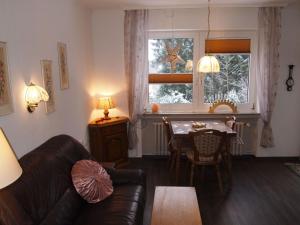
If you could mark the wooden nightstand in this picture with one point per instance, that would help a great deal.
(109, 141)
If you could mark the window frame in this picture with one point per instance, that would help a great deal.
(199, 37)
(239, 104)
(245, 34)
(179, 107)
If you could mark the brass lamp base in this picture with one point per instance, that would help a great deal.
(31, 107)
(106, 117)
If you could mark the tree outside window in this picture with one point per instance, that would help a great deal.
(170, 93)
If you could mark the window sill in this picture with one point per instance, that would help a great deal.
(202, 115)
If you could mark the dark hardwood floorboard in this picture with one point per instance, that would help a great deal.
(264, 192)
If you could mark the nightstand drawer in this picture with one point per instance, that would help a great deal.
(118, 128)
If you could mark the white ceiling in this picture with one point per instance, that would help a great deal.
(136, 4)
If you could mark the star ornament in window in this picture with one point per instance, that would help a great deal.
(173, 58)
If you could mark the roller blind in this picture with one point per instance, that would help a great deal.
(228, 46)
(170, 78)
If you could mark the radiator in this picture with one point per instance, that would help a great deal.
(237, 143)
(161, 147)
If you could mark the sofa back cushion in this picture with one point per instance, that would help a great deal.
(46, 176)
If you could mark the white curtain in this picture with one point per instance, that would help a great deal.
(136, 61)
(269, 33)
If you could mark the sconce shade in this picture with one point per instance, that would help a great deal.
(105, 103)
(10, 169)
(35, 94)
(208, 64)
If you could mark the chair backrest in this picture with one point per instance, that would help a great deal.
(208, 143)
(230, 121)
(167, 129)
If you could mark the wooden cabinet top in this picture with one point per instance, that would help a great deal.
(112, 121)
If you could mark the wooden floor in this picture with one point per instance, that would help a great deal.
(264, 192)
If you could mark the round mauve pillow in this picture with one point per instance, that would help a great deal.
(91, 181)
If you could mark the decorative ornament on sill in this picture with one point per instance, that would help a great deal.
(172, 56)
(290, 81)
(189, 65)
(155, 108)
(218, 103)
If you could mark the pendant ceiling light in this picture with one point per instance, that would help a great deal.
(208, 63)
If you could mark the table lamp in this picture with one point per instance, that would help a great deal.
(10, 169)
(106, 104)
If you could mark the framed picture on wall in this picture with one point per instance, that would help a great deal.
(48, 84)
(6, 106)
(63, 65)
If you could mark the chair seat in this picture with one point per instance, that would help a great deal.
(202, 160)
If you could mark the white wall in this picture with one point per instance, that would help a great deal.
(32, 29)
(108, 42)
(286, 118)
(108, 39)
(196, 19)
(108, 77)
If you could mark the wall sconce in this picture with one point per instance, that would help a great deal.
(34, 95)
(105, 103)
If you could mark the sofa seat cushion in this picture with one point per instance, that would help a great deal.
(66, 209)
(124, 207)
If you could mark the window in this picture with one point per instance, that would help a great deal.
(171, 70)
(232, 82)
(178, 87)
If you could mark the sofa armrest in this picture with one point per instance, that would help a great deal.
(127, 176)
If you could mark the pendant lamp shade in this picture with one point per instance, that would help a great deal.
(208, 64)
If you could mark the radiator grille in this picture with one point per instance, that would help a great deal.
(237, 143)
(160, 139)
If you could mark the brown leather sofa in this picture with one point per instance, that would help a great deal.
(45, 195)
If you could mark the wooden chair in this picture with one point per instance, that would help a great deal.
(237, 126)
(207, 150)
(170, 144)
(230, 121)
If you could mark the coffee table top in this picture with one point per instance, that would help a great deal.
(175, 206)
